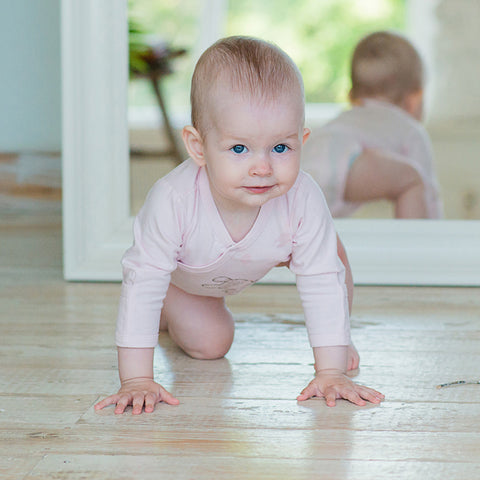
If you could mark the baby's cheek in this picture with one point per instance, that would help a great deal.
(292, 168)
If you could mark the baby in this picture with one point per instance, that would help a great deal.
(378, 149)
(222, 219)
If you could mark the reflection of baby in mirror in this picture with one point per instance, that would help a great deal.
(378, 149)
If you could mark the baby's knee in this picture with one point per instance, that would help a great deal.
(214, 345)
(211, 350)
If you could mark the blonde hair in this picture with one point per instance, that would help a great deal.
(247, 65)
(385, 64)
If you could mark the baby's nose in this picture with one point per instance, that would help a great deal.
(262, 167)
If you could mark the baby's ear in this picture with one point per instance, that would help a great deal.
(413, 104)
(306, 134)
(194, 144)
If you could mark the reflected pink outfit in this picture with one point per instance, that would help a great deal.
(331, 151)
(179, 237)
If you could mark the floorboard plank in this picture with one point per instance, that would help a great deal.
(96, 467)
(336, 444)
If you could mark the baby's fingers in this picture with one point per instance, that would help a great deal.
(150, 402)
(359, 394)
(122, 404)
(151, 399)
(354, 397)
(111, 400)
(330, 397)
(370, 394)
(167, 397)
(309, 391)
(137, 403)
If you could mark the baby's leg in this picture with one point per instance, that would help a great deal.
(379, 175)
(342, 255)
(202, 327)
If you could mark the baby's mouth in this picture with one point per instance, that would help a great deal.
(259, 189)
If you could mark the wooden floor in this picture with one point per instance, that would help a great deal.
(238, 417)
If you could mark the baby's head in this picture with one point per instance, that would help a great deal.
(248, 114)
(386, 66)
(250, 67)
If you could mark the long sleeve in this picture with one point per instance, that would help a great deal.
(147, 267)
(328, 156)
(319, 272)
(420, 150)
(325, 305)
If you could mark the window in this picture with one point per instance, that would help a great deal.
(318, 34)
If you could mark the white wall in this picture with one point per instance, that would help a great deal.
(30, 87)
(447, 33)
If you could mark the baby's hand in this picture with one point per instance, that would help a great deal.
(138, 392)
(333, 384)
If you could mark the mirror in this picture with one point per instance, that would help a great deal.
(96, 176)
(459, 192)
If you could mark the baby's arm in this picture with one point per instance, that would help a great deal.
(353, 356)
(147, 266)
(138, 388)
(322, 299)
(323, 286)
(332, 382)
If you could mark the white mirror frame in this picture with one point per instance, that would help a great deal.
(96, 201)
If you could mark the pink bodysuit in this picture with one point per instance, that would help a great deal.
(179, 237)
(331, 150)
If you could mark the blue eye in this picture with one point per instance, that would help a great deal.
(239, 149)
(280, 148)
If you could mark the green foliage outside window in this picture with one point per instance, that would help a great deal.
(318, 34)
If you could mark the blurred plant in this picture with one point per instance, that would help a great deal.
(137, 46)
